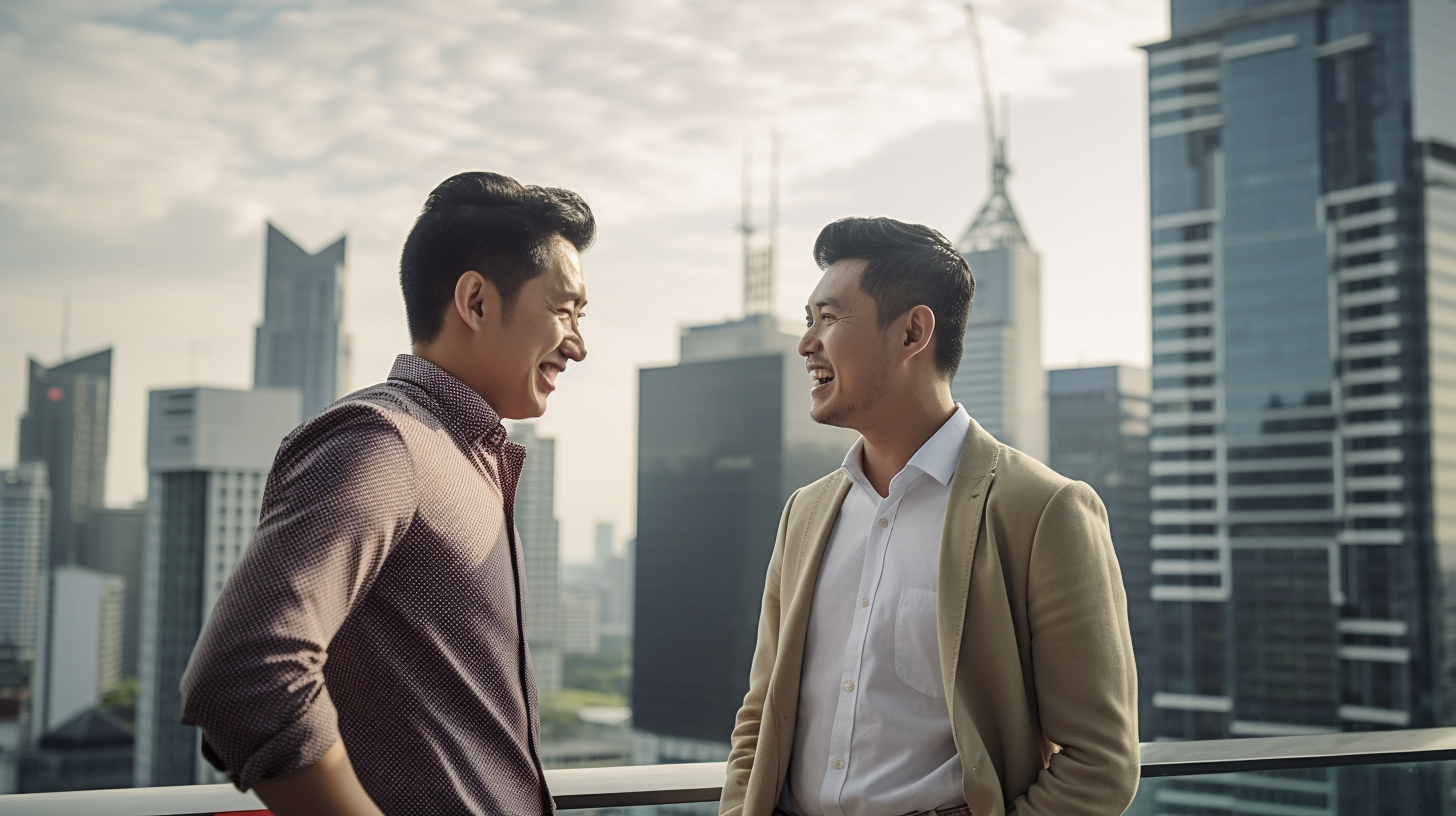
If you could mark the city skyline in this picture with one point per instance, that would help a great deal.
(187, 260)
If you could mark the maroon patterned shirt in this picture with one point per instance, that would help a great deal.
(381, 602)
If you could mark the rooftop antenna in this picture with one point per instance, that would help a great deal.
(758, 254)
(996, 225)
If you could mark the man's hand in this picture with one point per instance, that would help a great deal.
(326, 788)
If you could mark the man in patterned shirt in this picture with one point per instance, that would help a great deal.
(368, 655)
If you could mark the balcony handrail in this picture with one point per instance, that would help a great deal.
(637, 785)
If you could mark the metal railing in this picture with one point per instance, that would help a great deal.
(703, 782)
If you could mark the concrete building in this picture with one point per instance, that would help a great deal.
(579, 619)
(25, 520)
(113, 545)
(1000, 380)
(65, 425)
(723, 438)
(1099, 435)
(90, 751)
(79, 656)
(301, 342)
(614, 583)
(1303, 218)
(540, 544)
(208, 455)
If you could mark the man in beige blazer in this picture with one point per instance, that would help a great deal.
(944, 628)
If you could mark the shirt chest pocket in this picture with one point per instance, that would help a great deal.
(917, 651)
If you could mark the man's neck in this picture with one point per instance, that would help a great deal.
(889, 444)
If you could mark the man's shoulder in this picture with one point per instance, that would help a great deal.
(384, 411)
(1023, 484)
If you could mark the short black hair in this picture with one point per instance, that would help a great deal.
(907, 265)
(491, 224)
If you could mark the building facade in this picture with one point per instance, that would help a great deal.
(1303, 229)
(79, 657)
(301, 342)
(724, 437)
(65, 425)
(540, 544)
(1098, 434)
(1000, 380)
(208, 455)
(25, 520)
(113, 545)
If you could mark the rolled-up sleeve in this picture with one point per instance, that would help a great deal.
(340, 495)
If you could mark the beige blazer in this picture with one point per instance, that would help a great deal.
(1035, 652)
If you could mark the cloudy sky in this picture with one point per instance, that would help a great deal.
(143, 145)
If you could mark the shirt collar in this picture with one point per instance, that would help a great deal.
(461, 410)
(937, 458)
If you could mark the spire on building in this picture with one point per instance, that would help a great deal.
(759, 242)
(996, 225)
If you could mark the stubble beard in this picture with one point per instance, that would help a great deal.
(843, 416)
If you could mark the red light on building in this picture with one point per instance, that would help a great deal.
(55, 394)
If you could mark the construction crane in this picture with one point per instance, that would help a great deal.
(758, 253)
(996, 224)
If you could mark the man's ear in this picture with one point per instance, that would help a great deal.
(477, 301)
(919, 331)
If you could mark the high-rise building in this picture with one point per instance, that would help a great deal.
(540, 545)
(1303, 219)
(1000, 380)
(614, 583)
(25, 520)
(208, 455)
(723, 438)
(65, 424)
(578, 616)
(113, 545)
(79, 657)
(1098, 434)
(301, 342)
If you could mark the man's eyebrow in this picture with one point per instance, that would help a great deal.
(830, 302)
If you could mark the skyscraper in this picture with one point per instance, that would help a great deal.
(1000, 380)
(208, 454)
(301, 342)
(723, 438)
(1303, 226)
(65, 424)
(1099, 435)
(25, 520)
(540, 543)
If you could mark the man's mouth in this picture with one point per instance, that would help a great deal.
(550, 370)
(821, 376)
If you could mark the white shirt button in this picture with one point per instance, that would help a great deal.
(864, 602)
(849, 685)
(838, 763)
(884, 522)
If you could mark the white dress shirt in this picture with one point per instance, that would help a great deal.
(874, 734)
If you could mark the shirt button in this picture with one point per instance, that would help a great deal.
(838, 763)
(884, 522)
(864, 602)
(849, 685)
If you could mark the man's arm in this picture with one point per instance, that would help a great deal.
(1082, 662)
(326, 788)
(338, 498)
(750, 715)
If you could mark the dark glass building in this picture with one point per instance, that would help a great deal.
(301, 342)
(1099, 435)
(67, 415)
(723, 438)
(1303, 229)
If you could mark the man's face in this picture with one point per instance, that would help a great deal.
(537, 336)
(846, 353)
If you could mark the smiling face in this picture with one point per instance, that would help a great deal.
(522, 352)
(848, 356)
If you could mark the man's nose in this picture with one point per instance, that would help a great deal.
(808, 343)
(575, 347)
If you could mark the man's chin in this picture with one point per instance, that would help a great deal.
(828, 414)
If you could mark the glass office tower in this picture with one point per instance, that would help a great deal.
(723, 438)
(301, 342)
(1303, 226)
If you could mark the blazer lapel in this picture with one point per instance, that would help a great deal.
(963, 513)
(808, 534)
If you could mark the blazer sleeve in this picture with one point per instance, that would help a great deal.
(747, 727)
(1082, 662)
